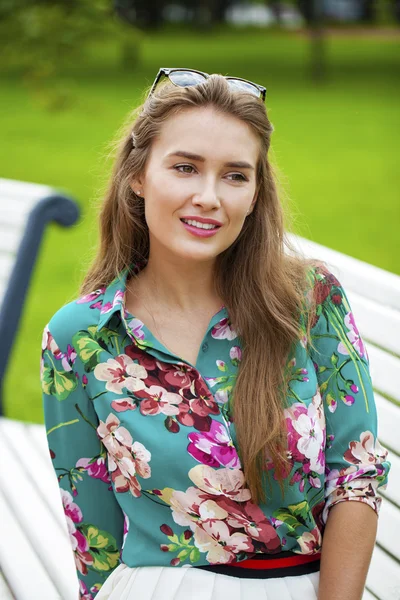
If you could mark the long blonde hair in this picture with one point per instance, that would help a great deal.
(263, 287)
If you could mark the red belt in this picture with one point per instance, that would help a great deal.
(277, 563)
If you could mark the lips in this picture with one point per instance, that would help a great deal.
(197, 231)
(200, 224)
(201, 220)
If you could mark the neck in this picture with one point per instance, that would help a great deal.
(181, 285)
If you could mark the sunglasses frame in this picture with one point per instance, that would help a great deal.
(166, 72)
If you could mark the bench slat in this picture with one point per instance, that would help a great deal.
(20, 190)
(385, 371)
(38, 434)
(377, 323)
(9, 239)
(368, 596)
(392, 492)
(388, 422)
(389, 528)
(40, 526)
(14, 218)
(383, 578)
(21, 566)
(40, 470)
(6, 264)
(5, 592)
(354, 274)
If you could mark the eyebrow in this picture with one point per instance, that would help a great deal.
(235, 164)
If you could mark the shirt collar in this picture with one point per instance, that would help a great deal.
(114, 298)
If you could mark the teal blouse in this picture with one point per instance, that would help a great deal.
(145, 451)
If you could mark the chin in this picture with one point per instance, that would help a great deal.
(201, 255)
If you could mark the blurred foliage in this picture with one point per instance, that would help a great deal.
(335, 144)
(45, 39)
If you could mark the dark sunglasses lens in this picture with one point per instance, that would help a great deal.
(244, 86)
(186, 78)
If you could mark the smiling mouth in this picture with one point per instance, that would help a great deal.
(200, 225)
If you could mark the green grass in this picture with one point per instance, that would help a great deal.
(335, 144)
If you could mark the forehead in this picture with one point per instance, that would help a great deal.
(210, 133)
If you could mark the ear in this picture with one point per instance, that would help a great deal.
(252, 203)
(136, 185)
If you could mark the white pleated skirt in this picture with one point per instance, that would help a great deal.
(188, 583)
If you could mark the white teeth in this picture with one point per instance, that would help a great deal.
(200, 225)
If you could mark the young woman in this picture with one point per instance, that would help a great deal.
(208, 399)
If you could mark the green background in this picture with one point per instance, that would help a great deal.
(335, 144)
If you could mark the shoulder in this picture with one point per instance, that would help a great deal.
(322, 282)
(324, 292)
(75, 316)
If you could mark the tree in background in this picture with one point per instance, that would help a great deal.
(45, 39)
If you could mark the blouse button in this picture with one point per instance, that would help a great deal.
(204, 347)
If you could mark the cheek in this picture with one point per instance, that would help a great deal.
(237, 211)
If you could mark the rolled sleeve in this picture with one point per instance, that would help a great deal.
(356, 465)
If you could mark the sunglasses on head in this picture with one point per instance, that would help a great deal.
(189, 77)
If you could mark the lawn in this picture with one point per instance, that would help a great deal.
(335, 144)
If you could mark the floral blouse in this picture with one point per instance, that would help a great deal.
(144, 446)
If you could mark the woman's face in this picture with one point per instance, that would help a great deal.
(201, 167)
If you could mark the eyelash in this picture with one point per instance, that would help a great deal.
(177, 167)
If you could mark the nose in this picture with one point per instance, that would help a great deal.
(207, 197)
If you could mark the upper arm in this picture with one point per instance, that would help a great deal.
(94, 518)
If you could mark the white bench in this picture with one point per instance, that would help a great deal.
(25, 211)
(33, 536)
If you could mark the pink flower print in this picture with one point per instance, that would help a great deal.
(92, 296)
(95, 467)
(251, 518)
(203, 404)
(311, 439)
(46, 338)
(79, 543)
(178, 375)
(185, 506)
(366, 451)
(306, 430)
(214, 447)
(123, 404)
(49, 343)
(136, 327)
(125, 459)
(220, 482)
(146, 360)
(84, 593)
(348, 400)
(112, 435)
(97, 304)
(354, 337)
(210, 511)
(126, 529)
(121, 372)
(235, 354)
(67, 358)
(223, 330)
(160, 401)
(142, 457)
(71, 509)
(221, 396)
(118, 299)
(221, 546)
(310, 542)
